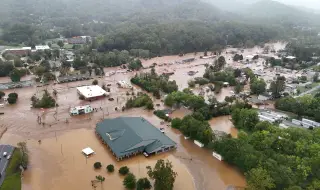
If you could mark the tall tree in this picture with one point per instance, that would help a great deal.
(163, 175)
(278, 86)
(130, 181)
(259, 179)
(258, 86)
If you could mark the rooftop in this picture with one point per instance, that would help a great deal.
(91, 91)
(127, 135)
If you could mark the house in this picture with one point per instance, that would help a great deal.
(129, 136)
(91, 92)
(19, 51)
(78, 40)
(41, 48)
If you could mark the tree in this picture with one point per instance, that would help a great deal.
(60, 43)
(135, 64)
(97, 165)
(143, 183)
(24, 157)
(100, 178)
(12, 98)
(316, 77)
(124, 170)
(238, 88)
(110, 168)
(130, 181)
(15, 75)
(18, 62)
(95, 82)
(163, 175)
(278, 86)
(2, 94)
(5, 68)
(258, 86)
(47, 101)
(259, 179)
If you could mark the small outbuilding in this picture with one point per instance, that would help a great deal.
(87, 151)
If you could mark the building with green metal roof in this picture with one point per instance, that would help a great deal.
(129, 136)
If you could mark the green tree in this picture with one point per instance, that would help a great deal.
(100, 178)
(130, 181)
(15, 75)
(238, 88)
(18, 62)
(135, 64)
(124, 170)
(2, 94)
(110, 168)
(143, 184)
(278, 86)
(97, 165)
(60, 43)
(258, 86)
(259, 179)
(163, 175)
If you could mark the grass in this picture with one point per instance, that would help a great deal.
(12, 182)
(13, 173)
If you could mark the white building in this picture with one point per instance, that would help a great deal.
(78, 110)
(124, 84)
(92, 92)
(45, 47)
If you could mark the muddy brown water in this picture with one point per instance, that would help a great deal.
(57, 163)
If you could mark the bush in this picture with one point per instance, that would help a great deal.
(130, 181)
(162, 115)
(124, 170)
(81, 97)
(2, 94)
(143, 183)
(47, 101)
(110, 168)
(97, 165)
(13, 95)
(176, 123)
(191, 83)
(140, 101)
(95, 82)
(12, 100)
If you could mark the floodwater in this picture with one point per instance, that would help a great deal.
(57, 162)
(224, 124)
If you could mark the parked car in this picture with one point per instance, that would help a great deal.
(4, 154)
(145, 154)
(8, 157)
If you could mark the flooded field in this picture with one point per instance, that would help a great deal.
(57, 163)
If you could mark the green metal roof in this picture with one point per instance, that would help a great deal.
(125, 135)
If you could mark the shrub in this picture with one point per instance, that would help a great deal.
(176, 123)
(12, 100)
(97, 165)
(110, 168)
(130, 181)
(2, 94)
(13, 95)
(124, 170)
(95, 82)
(161, 114)
(143, 183)
(191, 83)
(81, 97)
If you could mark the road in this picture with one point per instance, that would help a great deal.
(4, 161)
(309, 91)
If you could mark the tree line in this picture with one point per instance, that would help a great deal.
(272, 157)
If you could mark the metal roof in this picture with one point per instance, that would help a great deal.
(125, 135)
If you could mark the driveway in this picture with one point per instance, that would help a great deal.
(4, 161)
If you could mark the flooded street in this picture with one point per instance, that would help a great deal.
(57, 163)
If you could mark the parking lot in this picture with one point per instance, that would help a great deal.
(4, 161)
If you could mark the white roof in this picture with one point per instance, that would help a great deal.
(249, 56)
(91, 91)
(42, 47)
(87, 151)
(290, 57)
(80, 107)
(28, 48)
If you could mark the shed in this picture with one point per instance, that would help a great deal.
(87, 151)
